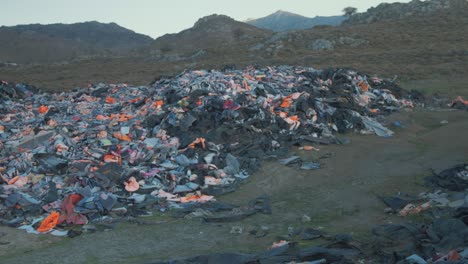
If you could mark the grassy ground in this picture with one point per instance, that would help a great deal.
(448, 87)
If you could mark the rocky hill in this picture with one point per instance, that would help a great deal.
(214, 36)
(36, 43)
(284, 21)
(414, 8)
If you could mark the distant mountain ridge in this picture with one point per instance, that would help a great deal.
(284, 21)
(39, 43)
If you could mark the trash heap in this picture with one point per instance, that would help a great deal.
(118, 150)
(441, 234)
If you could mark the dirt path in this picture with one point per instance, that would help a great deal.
(340, 198)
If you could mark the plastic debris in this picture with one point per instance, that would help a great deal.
(49, 223)
(114, 148)
(411, 209)
(279, 244)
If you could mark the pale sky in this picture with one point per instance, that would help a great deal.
(158, 17)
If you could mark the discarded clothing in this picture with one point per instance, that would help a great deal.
(180, 140)
(453, 179)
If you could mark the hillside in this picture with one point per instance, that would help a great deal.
(413, 47)
(36, 43)
(32, 47)
(284, 21)
(414, 8)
